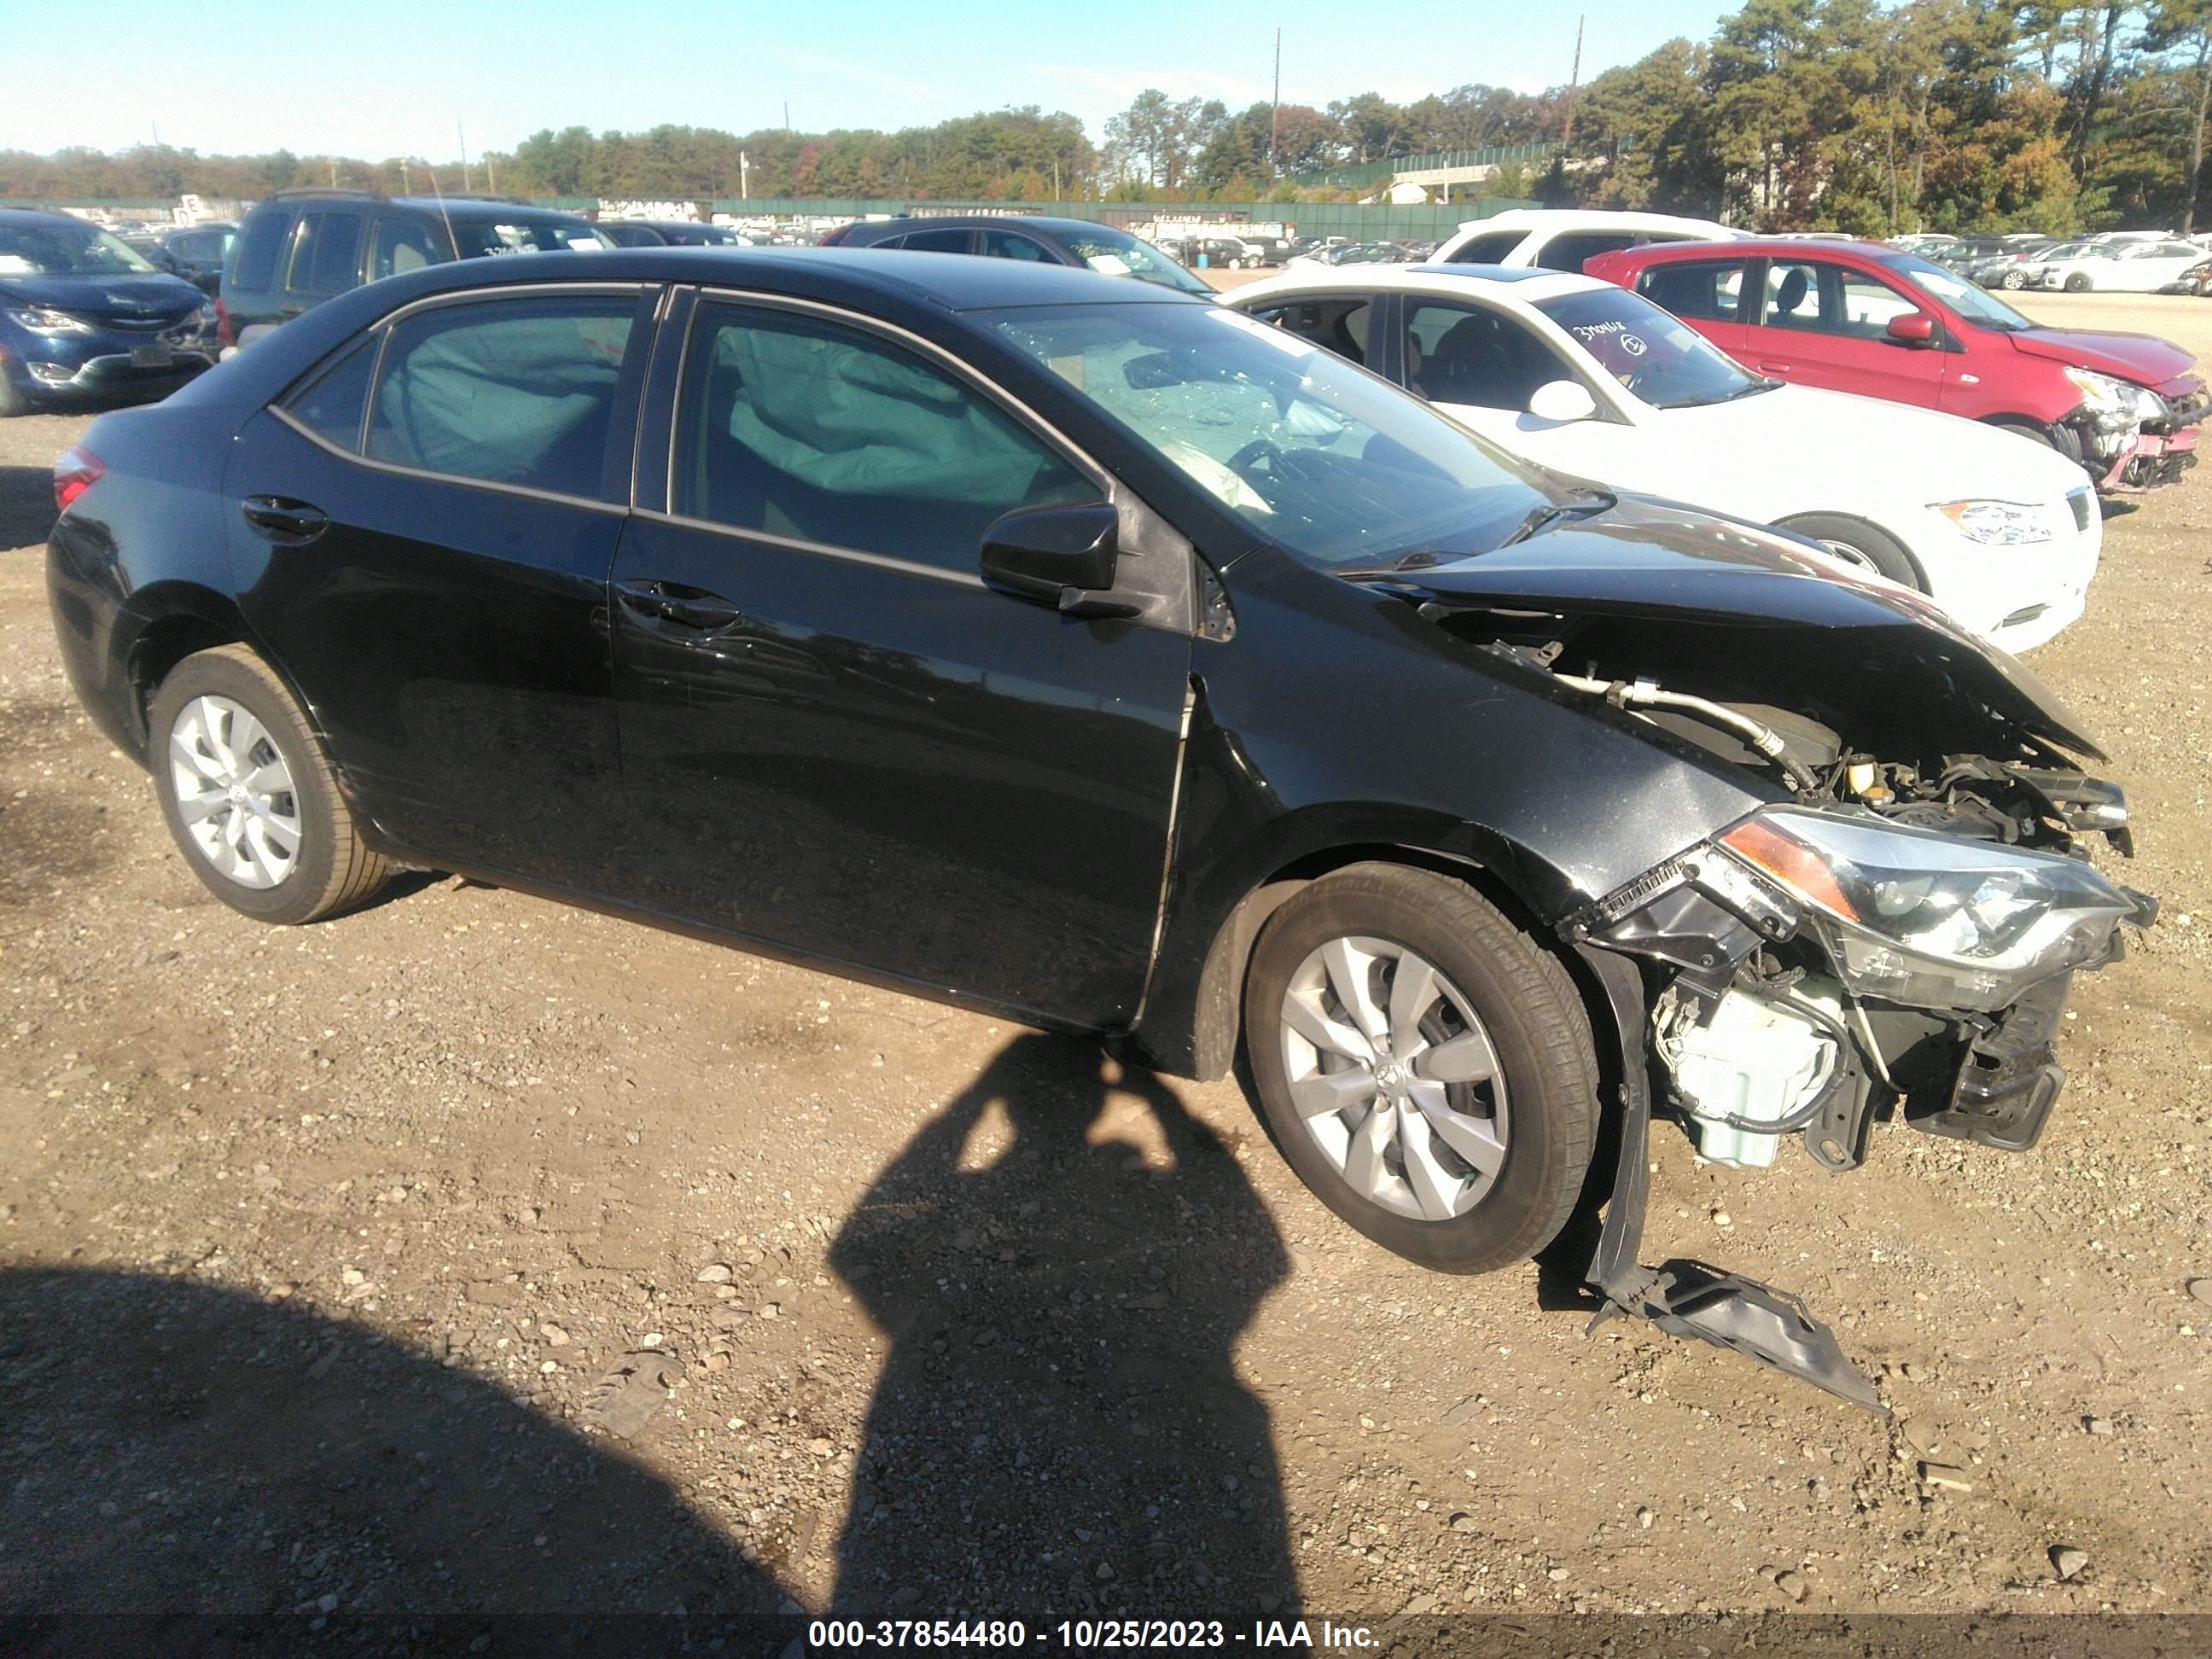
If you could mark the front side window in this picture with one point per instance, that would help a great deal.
(1117, 253)
(514, 391)
(1658, 358)
(1467, 353)
(41, 249)
(810, 430)
(1004, 245)
(1304, 449)
(402, 245)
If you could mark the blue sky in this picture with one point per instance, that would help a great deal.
(384, 79)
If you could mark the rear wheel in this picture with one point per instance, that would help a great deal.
(2014, 279)
(248, 795)
(1858, 543)
(1424, 1067)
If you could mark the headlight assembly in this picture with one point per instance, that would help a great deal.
(40, 320)
(1928, 920)
(2111, 402)
(1997, 524)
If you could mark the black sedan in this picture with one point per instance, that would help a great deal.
(85, 317)
(1077, 650)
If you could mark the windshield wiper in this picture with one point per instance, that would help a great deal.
(1420, 561)
(1540, 518)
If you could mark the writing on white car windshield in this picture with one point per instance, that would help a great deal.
(1655, 355)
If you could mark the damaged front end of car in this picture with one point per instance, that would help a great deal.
(2132, 439)
(1891, 936)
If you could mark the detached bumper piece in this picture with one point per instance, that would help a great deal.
(1689, 1298)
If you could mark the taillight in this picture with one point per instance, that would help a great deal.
(223, 322)
(77, 469)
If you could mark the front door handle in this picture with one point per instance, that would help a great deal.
(280, 518)
(679, 604)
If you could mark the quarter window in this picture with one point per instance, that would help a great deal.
(330, 404)
(809, 429)
(515, 391)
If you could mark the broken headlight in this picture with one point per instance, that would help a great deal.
(1930, 921)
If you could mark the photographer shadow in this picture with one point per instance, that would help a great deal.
(1063, 1258)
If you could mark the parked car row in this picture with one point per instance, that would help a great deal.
(1049, 643)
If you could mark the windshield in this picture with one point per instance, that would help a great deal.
(1976, 304)
(1308, 450)
(1117, 253)
(543, 236)
(1655, 354)
(59, 250)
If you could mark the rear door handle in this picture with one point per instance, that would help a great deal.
(281, 519)
(679, 604)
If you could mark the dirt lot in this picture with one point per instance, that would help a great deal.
(315, 1246)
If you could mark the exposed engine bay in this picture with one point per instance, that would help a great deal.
(1779, 1021)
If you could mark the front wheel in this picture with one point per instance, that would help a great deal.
(251, 801)
(2078, 283)
(1858, 543)
(1423, 1064)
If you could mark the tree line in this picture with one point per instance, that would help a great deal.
(1847, 115)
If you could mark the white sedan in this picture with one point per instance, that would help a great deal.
(1589, 379)
(2115, 267)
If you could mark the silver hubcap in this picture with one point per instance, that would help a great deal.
(234, 792)
(1394, 1077)
(1852, 556)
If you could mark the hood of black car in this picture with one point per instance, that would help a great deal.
(1649, 560)
(149, 294)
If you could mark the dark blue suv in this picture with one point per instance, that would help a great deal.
(82, 316)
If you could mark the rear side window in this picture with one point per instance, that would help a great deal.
(811, 430)
(1338, 325)
(515, 391)
(260, 245)
(937, 241)
(332, 404)
(1705, 290)
(1488, 248)
(327, 258)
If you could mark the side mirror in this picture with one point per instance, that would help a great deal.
(1913, 328)
(1562, 401)
(1062, 557)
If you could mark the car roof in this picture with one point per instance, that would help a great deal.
(948, 282)
(1522, 282)
(1582, 219)
(909, 221)
(1757, 246)
(41, 216)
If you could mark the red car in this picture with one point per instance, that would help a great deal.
(1861, 316)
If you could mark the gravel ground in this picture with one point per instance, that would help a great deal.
(473, 1253)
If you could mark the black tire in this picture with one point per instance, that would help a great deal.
(2032, 431)
(2077, 282)
(1538, 1029)
(1860, 542)
(2014, 280)
(330, 869)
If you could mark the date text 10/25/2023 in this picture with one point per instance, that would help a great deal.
(1085, 1634)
